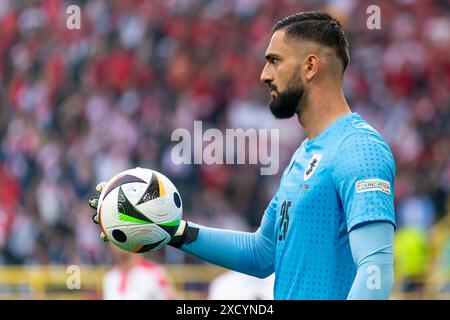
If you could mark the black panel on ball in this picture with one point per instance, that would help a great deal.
(177, 200)
(150, 246)
(119, 235)
(169, 229)
(126, 207)
(152, 191)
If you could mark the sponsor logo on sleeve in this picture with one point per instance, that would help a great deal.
(373, 185)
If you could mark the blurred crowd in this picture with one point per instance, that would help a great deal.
(78, 106)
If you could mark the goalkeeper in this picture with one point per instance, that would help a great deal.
(328, 231)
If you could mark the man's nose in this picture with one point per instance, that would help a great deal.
(266, 76)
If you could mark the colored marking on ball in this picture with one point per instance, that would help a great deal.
(136, 248)
(170, 224)
(162, 190)
(126, 218)
(100, 221)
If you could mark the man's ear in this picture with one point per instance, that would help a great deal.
(311, 66)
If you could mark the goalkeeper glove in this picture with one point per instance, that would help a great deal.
(184, 234)
(93, 203)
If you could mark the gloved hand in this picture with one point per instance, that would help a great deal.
(184, 233)
(93, 203)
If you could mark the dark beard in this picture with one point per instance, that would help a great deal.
(285, 104)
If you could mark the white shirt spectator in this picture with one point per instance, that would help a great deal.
(238, 286)
(143, 281)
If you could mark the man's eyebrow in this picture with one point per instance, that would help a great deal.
(272, 56)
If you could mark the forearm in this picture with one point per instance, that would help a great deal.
(372, 248)
(249, 253)
(374, 279)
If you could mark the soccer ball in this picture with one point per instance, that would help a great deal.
(139, 210)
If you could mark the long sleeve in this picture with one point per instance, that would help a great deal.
(249, 253)
(372, 250)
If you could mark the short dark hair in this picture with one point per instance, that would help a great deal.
(319, 27)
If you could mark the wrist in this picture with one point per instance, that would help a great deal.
(184, 234)
(180, 229)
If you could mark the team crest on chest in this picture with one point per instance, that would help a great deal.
(312, 165)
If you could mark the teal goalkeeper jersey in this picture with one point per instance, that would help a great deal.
(335, 182)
